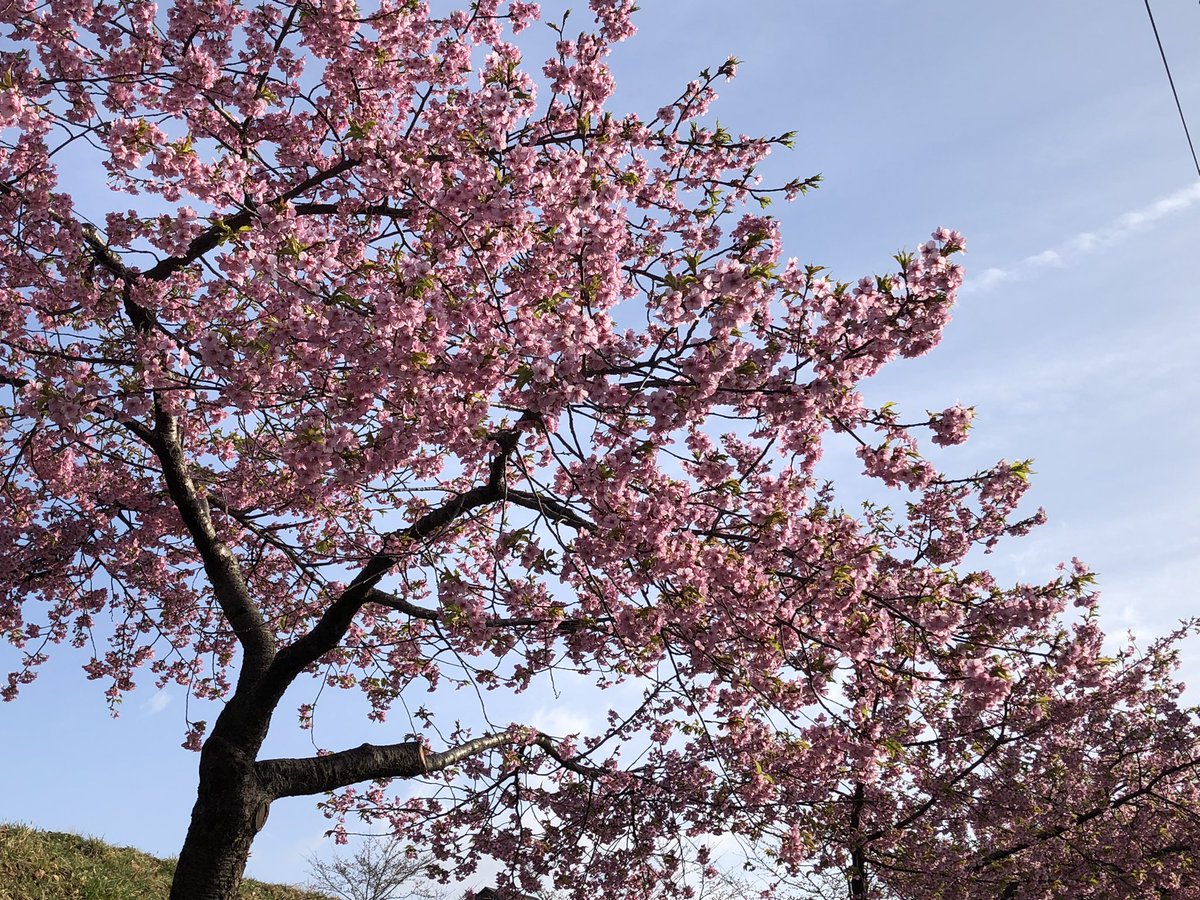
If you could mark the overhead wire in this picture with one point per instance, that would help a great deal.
(1174, 92)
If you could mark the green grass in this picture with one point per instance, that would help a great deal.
(48, 865)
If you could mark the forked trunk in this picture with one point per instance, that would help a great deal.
(231, 807)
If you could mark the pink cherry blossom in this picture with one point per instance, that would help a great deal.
(408, 366)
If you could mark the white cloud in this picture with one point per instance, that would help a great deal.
(1071, 250)
(1047, 258)
(157, 703)
(560, 722)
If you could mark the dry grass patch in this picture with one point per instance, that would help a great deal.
(49, 865)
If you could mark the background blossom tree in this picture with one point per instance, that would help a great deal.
(383, 868)
(411, 371)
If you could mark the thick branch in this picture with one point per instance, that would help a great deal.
(547, 744)
(104, 254)
(220, 565)
(412, 610)
(329, 630)
(212, 236)
(369, 762)
(382, 210)
(331, 627)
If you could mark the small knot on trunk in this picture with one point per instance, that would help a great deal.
(260, 815)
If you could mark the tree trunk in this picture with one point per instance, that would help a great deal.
(231, 807)
(858, 853)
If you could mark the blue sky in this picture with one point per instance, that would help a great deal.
(1046, 133)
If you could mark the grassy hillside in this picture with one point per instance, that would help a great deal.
(47, 865)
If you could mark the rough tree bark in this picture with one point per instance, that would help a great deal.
(230, 809)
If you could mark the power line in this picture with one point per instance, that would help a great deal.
(1174, 92)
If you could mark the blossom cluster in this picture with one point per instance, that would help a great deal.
(385, 337)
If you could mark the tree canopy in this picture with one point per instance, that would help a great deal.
(411, 370)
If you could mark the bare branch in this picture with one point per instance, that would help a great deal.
(384, 868)
(391, 601)
(549, 507)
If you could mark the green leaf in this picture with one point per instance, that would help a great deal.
(359, 130)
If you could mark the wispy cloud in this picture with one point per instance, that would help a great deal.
(1075, 248)
(561, 722)
(156, 703)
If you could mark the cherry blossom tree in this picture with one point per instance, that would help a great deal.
(407, 369)
(1080, 784)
